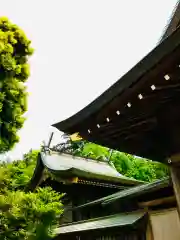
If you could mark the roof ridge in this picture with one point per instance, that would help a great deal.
(85, 158)
(169, 21)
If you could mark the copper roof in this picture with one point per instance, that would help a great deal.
(118, 220)
(66, 165)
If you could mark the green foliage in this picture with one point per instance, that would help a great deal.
(121, 162)
(19, 173)
(26, 215)
(29, 215)
(91, 150)
(126, 164)
(14, 71)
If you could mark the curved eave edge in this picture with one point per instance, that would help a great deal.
(147, 63)
(37, 175)
(75, 227)
(41, 165)
(89, 175)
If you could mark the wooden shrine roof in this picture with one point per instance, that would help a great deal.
(129, 193)
(139, 190)
(67, 166)
(117, 220)
(140, 113)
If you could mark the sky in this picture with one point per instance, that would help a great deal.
(81, 48)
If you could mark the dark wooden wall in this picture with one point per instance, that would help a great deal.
(78, 194)
(111, 234)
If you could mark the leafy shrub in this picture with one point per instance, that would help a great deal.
(26, 215)
(29, 215)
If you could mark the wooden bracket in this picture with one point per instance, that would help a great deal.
(156, 202)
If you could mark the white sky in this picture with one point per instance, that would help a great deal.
(81, 48)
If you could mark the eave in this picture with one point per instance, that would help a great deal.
(76, 170)
(143, 127)
(128, 194)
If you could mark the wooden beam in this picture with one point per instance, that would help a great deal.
(157, 202)
(168, 87)
(175, 176)
(149, 231)
(133, 127)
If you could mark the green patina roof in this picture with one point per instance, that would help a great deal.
(66, 165)
(118, 220)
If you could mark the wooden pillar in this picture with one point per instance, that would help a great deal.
(174, 163)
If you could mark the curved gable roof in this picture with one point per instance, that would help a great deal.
(63, 165)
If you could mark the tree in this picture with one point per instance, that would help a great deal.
(126, 164)
(26, 215)
(29, 215)
(121, 162)
(15, 48)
